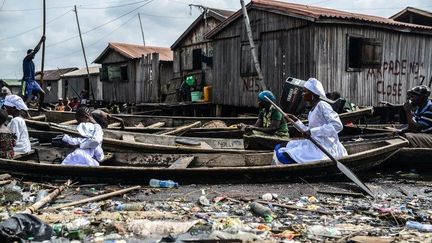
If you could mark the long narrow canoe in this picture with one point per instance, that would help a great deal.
(175, 121)
(128, 141)
(238, 168)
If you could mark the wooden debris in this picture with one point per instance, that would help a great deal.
(352, 194)
(4, 182)
(156, 125)
(96, 198)
(128, 138)
(369, 239)
(113, 125)
(182, 128)
(38, 118)
(293, 207)
(39, 204)
(182, 163)
(5, 176)
(71, 122)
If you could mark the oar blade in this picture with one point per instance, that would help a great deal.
(354, 178)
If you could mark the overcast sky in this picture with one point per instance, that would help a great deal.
(103, 21)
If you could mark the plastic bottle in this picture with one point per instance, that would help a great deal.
(262, 211)
(129, 207)
(163, 184)
(41, 194)
(419, 226)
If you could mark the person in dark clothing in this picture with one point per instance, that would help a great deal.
(31, 86)
(419, 129)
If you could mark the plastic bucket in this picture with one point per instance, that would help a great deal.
(196, 95)
(207, 93)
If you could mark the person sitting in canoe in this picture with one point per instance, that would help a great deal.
(103, 117)
(324, 126)
(7, 138)
(419, 129)
(15, 107)
(270, 121)
(89, 151)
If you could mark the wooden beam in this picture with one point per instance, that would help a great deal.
(182, 163)
(182, 128)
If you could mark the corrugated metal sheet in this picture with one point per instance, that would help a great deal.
(133, 51)
(82, 72)
(316, 14)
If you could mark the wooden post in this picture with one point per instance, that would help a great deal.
(85, 58)
(252, 45)
(43, 44)
(142, 31)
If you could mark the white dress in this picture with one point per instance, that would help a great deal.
(89, 152)
(18, 126)
(324, 125)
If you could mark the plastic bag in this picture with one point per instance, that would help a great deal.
(21, 227)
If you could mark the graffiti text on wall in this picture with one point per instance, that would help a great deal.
(250, 84)
(414, 70)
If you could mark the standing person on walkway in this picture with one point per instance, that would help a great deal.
(324, 126)
(89, 146)
(419, 129)
(7, 138)
(270, 120)
(14, 107)
(32, 87)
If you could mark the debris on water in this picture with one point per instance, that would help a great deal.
(258, 212)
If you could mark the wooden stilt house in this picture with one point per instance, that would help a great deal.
(365, 58)
(134, 73)
(193, 52)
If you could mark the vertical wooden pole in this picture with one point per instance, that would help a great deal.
(252, 45)
(142, 31)
(85, 58)
(43, 44)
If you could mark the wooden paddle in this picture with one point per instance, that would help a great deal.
(340, 166)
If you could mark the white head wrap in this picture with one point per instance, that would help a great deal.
(315, 86)
(91, 131)
(5, 90)
(15, 101)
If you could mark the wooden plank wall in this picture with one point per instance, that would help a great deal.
(122, 91)
(150, 79)
(285, 48)
(406, 62)
(78, 83)
(55, 92)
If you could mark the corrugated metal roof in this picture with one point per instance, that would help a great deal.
(82, 72)
(133, 51)
(409, 10)
(11, 82)
(218, 14)
(54, 75)
(316, 14)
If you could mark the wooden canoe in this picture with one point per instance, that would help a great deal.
(129, 141)
(175, 121)
(363, 155)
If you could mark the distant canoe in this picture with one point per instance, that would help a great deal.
(236, 168)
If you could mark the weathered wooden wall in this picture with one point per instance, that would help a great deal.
(78, 84)
(293, 47)
(183, 61)
(284, 49)
(406, 62)
(55, 92)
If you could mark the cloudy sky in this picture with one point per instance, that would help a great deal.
(103, 21)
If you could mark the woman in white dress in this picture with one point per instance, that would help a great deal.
(89, 151)
(324, 126)
(14, 107)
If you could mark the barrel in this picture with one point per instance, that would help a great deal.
(207, 93)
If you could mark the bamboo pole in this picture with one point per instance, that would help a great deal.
(85, 58)
(156, 125)
(96, 198)
(142, 31)
(252, 45)
(43, 44)
(39, 204)
(182, 128)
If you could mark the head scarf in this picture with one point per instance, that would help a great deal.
(266, 93)
(15, 101)
(315, 86)
(91, 131)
